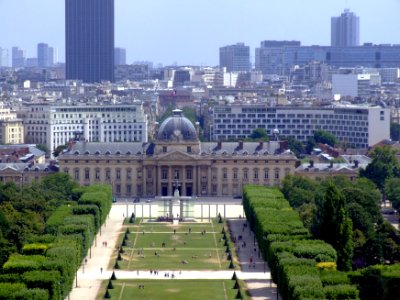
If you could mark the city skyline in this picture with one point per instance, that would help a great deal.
(171, 32)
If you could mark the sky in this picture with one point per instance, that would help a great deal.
(190, 32)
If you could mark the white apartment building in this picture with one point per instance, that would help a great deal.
(359, 126)
(56, 125)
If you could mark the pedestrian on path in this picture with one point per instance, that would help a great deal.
(101, 270)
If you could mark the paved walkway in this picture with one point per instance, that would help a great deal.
(251, 262)
(91, 274)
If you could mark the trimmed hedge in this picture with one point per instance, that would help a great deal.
(18, 291)
(289, 249)
(70, 231)
(47, 280)
(34, 249)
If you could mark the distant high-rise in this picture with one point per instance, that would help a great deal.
(3, 57)
(89, 33)
(235, 57)
(45, 55)
(120, 56)
(18, 57)
(345, 30)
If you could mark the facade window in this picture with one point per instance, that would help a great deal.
(189, 174)
(245, 174)
(276, 173)
(224, 174)
(139, 174)
(129, 174)
(76, 174)
(214, 188)
(266, 173)
(87, 174)
(108, 174)
(164, 149)
(235, 174)
(255, 173)
(287, 171)
(128, 189)
(204, 188)
(176, 174)
(189, 149)
(149, 174)
(118, 174)
(97, 174)
(118, 188)
(164, 174)
(66, 170)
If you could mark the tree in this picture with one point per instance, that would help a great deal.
(296, 146)
(324, 137)
(392, 191)
(259, 134)
(395, 131)
(59, 150)
(336, 227)
(43, 148)
(384, 165)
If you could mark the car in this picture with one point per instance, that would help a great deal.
(136, 200)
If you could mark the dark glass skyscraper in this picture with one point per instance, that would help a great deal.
(89, 40)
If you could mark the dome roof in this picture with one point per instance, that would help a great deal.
(177, 128)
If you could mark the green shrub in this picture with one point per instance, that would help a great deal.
(48, 280)
(56, 220)
(34, 249)
(334, 278)
(342, 291)
(19, 264)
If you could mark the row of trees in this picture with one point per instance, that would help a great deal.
(43, 264)
(347, 215)
(303, 267)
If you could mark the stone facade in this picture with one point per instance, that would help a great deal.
(178, 159)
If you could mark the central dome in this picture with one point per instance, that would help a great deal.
(177, 128)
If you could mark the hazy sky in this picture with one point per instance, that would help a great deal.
(191, 31)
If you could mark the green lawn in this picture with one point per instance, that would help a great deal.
(174, 289)
(185, 247)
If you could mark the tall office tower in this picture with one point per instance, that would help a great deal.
(43, 55)
(120, 56)
(3, 57)
(235, 57)
(89, 40)
(51, 56)
(345, 30)
(18, 57)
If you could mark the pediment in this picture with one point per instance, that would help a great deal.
(176, 156)
(9, 170)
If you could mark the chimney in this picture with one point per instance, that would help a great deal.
(355, 163)
(240, 145)
(219, 145)
(331, 164)
(311, 164)
(260, 145)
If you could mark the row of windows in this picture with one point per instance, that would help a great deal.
(107, 174)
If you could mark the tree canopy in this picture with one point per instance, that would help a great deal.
(383, 166)
(324, 137)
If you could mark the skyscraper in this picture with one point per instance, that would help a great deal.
(120, 56)
(18, 57)
(3, 57)
(345, 30)
(235, 57)
(89, 33)
(43, 55)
